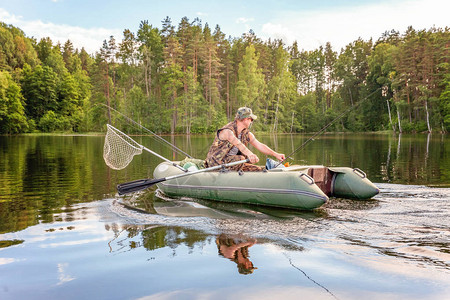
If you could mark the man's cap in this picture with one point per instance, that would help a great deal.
(245, 112)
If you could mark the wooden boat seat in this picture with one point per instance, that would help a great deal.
(323, 178)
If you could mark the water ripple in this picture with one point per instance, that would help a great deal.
(405, 222)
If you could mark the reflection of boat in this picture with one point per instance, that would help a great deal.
(187, 209)
(298, 187)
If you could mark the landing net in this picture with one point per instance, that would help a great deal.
(119, 149)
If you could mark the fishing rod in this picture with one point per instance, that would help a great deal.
(325, 127)
(148, 130)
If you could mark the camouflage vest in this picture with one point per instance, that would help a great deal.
(220, 148)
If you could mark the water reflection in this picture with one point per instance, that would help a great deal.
(392, 247)
(9, 243)
(378, 233)
(153, 237)
(235, 248)
(156, 203)
(41, 176)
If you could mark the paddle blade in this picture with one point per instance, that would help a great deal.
(137, 185)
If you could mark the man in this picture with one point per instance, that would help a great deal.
(231, 141)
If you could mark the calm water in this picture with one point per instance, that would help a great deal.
(65, 234)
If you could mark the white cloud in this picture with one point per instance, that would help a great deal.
(7, 17)
(89, 38)
(311, 29)
(344, 25)
(7, 260)
(73, 243)
(281, 31)
(244, 20)
(63, 277)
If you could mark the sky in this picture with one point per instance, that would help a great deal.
(312, 23)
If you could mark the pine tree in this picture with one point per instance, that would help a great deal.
(151, 53)
(250, 85)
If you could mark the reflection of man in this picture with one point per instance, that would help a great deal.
(236, 249)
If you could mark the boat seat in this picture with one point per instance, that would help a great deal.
(323, 178)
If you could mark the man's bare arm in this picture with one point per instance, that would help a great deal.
(229, 136)
(263, 148)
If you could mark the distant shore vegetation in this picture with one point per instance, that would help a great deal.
(189, 78)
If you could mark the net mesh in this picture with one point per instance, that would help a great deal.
(119, 149)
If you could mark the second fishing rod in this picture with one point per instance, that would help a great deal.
(159, 138)
(318, 133)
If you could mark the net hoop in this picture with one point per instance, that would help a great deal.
(119, 148)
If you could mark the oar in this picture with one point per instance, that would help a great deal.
(142, 184)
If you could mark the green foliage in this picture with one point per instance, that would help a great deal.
(281, 93)
(16, 50)
(445, 103)
(250, 83)
(190, 79)
(419, 77)
(50, 122)
(12, 113)
(307, 115)
(40, 89)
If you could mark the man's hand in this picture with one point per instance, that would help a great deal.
(253, 158)
(279, 156)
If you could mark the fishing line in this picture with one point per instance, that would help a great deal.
(307, 276)
(326, 126)
(148, 130)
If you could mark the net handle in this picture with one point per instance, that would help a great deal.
(154, 134)
(140, 147)
(137, 146)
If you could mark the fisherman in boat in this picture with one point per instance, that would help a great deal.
(231, 142)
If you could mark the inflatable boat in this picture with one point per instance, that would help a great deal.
(294, 187)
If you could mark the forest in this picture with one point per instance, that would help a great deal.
(189, 78)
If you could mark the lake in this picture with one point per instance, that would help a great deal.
(66, 234)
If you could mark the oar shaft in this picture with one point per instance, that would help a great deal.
(142, 184)
(165, 159)
(208, 169)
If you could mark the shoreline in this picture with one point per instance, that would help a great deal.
(212, 133)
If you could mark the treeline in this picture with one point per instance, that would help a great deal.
(191, 79)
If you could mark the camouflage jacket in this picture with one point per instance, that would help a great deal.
(220, 148)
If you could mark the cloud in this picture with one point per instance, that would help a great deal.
(7, 17)
(280, 31)
(63, 277)
(89, 38)
(244, 20)
(341, 26)
(6, 260)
